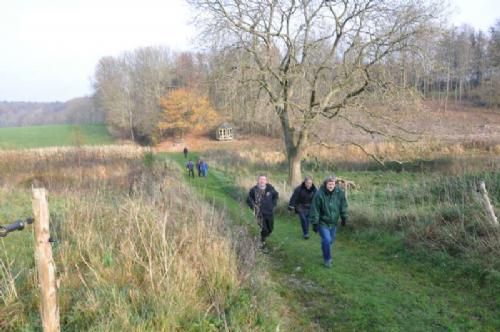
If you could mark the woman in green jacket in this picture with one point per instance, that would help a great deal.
(329, 203)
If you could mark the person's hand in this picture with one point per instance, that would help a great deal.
(291, 208)
(315, 228)
(344, 220)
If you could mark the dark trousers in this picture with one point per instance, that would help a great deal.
(266, 224)
(304, 221)
(191, 172)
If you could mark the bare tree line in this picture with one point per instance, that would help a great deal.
(458, 64)
(128, 88)
(283, 67)
(75, 111)
(314, 60)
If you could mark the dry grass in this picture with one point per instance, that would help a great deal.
(428, 148)
(452, 158)
(137, 252)
(174, 247)
(56, 168)
(8, 292)
(9, 297)
(103, 152)
(263, 153)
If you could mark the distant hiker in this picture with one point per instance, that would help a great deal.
(185, 152)
(300, 202)
(204, 168)
(328, 204)
(190, 168)
(198, 167)
(262, 199)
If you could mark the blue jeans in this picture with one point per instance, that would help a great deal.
(304, 221)
(328, 235)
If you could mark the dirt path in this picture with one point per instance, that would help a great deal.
(203, 143)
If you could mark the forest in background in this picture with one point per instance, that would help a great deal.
(457, 65)
(75, 111)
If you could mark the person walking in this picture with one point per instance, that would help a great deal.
(300, 202)
(185, 151)
(190, 168)
(328, 204)
(204, 168)
(198, 167)
(262, 199)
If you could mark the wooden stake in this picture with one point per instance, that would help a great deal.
(487, 203)
(46, 268)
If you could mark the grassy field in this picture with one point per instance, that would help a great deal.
(136, 249)
(53, 135)
(142, 247)
(386, 277)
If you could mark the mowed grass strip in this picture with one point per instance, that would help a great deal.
(53, 135)
(372, 286)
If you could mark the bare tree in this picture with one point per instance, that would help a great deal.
(150, 71)
(112, 95)
(313, 58)
(128, 89)
(479, 59)
(242, 102)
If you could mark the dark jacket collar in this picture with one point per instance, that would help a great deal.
(303, 186)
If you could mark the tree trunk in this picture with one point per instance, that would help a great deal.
(294, 169)
(293, 146)
(447, 89)
(130, 119)
(294, 155)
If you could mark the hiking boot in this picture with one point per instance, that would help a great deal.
(306, 237)
(328, 264)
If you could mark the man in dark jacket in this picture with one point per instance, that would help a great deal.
(262, 199)
(185, 151)
(198, 167)
(190, 168)
(300, 202)
(327, 206)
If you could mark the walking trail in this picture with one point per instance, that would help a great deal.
(369, 287)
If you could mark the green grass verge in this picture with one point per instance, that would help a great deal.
(375, 284)
(218, 188)
(53, 135)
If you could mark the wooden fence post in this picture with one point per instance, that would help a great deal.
(487, 203)
(46, 268)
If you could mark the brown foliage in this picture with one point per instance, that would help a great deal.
(186, 111)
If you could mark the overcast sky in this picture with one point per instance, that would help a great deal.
(49, 48)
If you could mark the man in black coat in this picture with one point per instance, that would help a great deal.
(190, 168)
(262, 199)
(300, 202)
